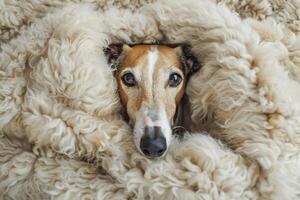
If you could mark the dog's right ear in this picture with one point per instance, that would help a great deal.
(113, 54)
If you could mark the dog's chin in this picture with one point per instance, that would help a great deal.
(154, 157)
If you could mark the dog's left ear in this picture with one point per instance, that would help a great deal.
(189, 61)
(113, 54)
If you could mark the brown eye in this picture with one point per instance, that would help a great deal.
(174, 80)
(128, 79)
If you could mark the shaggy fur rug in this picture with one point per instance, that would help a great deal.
(61, 136)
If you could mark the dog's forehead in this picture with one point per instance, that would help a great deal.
(138, 55)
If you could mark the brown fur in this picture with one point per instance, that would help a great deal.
(168, 61)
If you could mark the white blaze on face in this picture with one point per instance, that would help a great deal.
(152, 59)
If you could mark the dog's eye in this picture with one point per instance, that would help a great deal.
(128, 79)
(174, 80)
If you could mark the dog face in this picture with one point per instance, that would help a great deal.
(151, 82)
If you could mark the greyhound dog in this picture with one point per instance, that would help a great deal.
(151, 83)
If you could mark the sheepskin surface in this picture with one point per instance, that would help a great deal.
(61, 135)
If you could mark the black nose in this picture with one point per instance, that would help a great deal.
(153, 142)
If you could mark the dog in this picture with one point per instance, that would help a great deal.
(151, 83)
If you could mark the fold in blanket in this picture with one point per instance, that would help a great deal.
(61, 133)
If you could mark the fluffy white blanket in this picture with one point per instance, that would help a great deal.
(61, 136)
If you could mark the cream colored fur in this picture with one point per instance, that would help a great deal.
(61, 133)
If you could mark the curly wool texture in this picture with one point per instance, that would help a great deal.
(61, 133)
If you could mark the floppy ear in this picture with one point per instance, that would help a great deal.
(189, 61)
(113, 54)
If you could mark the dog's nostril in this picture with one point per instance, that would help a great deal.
(161, 151)
(146, 152)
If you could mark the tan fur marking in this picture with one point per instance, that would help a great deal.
(136, 58)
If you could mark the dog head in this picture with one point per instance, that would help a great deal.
(151, 83)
